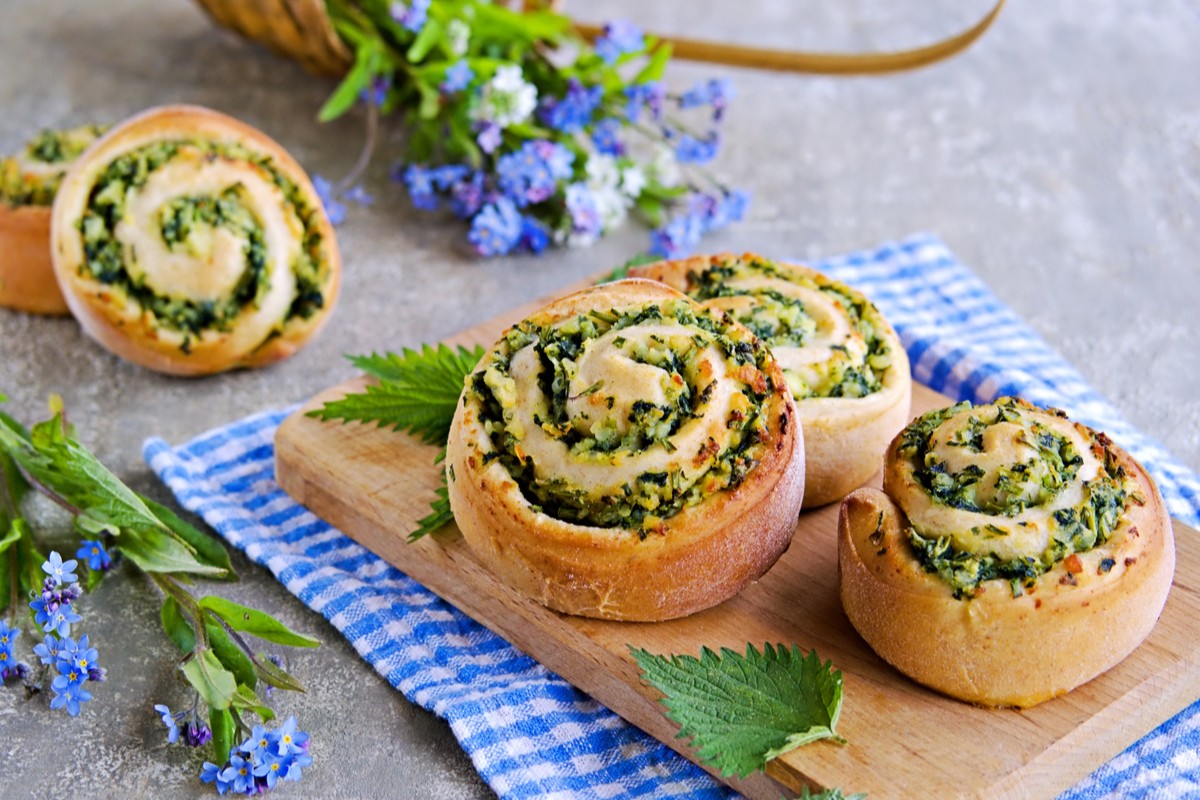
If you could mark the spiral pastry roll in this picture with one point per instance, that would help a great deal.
(625, 453)
(842, 361)
(28, 183)
(191, 243)
(1011, 556)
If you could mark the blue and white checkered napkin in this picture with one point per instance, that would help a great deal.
(530, 733)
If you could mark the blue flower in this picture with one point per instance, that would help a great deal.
(298, 762)
(59, 621)
(47, 651)
(644, 95)
(290, 741)
(620, 37)
(488, 137)
(335, 210)
(421, 189)
(716, 92)
(677, 237)
(211, 773)
(59, 570)
(77, 658)
(271, 767)
(534, 236)
(169, 720)
(196, 734)
(531, 174)
(411, 15)
(572, 111)
(239, 774)
(259, 742)
(376, 93)
(585, 213)
(691, 150)
(604, 136)
(71, 695)
(458, 77)
(94, 554)
(357, 194)
(496, 229)
(466, 196)
(8, 662)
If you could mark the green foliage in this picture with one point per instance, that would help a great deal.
(418, 391)
(740, 711)
(250, 620)
(830, 794)
(439, 514)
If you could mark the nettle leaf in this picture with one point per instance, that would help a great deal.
(368, 61)
(743, 710)
(276, 676)
(257, 623)
(417, 392)
(439, 515)
(215, 684)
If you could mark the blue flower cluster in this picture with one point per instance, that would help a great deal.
(261, 761)
(195, 732)
(77, 663)
(9, 666)
(703, 213)
(576, 177)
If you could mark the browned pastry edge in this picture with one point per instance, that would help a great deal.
(27, 281)
(121, 325)
(705, 555)
(994, 649)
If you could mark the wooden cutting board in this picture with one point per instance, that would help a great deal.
(904, 740)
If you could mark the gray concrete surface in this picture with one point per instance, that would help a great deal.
(1060, 158)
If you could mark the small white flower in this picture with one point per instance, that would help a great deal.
(612, 206)
(664, 168)
(633, 181)
(602, 171)
(458, 33)
(506, 99)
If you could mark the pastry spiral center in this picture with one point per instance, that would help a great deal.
(820, 332)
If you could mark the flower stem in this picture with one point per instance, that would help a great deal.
(364, 155)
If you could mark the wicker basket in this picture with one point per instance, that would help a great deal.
(298, 29)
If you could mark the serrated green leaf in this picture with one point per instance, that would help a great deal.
(439, 515)
(156, 551)
(417, 392)
(622, 272)
(177, 628)
(215, 684)
(830, 794)
(232, 657)
(247, 700)
(223, 730)
(743, 710)
(257, 623)
(206, 549)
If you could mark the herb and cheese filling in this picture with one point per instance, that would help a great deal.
(1007, 491)
(198, 232)
(624, 417)
(32, 177)
(826, 336)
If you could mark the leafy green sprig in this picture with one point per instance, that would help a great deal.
(218, 661)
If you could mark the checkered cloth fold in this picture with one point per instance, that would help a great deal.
(530, 733)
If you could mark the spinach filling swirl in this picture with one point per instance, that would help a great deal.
(827, 337)
(623, 417)
(32, 176)
(179, 227)
(1006, 491)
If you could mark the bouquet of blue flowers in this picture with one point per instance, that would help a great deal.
(528, 131)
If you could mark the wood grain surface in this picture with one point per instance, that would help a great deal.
(903, 740)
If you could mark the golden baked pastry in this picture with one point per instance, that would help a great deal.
(1011, 556)
(625, 453)
(28, 183)
(843, 362)
(191, 243)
